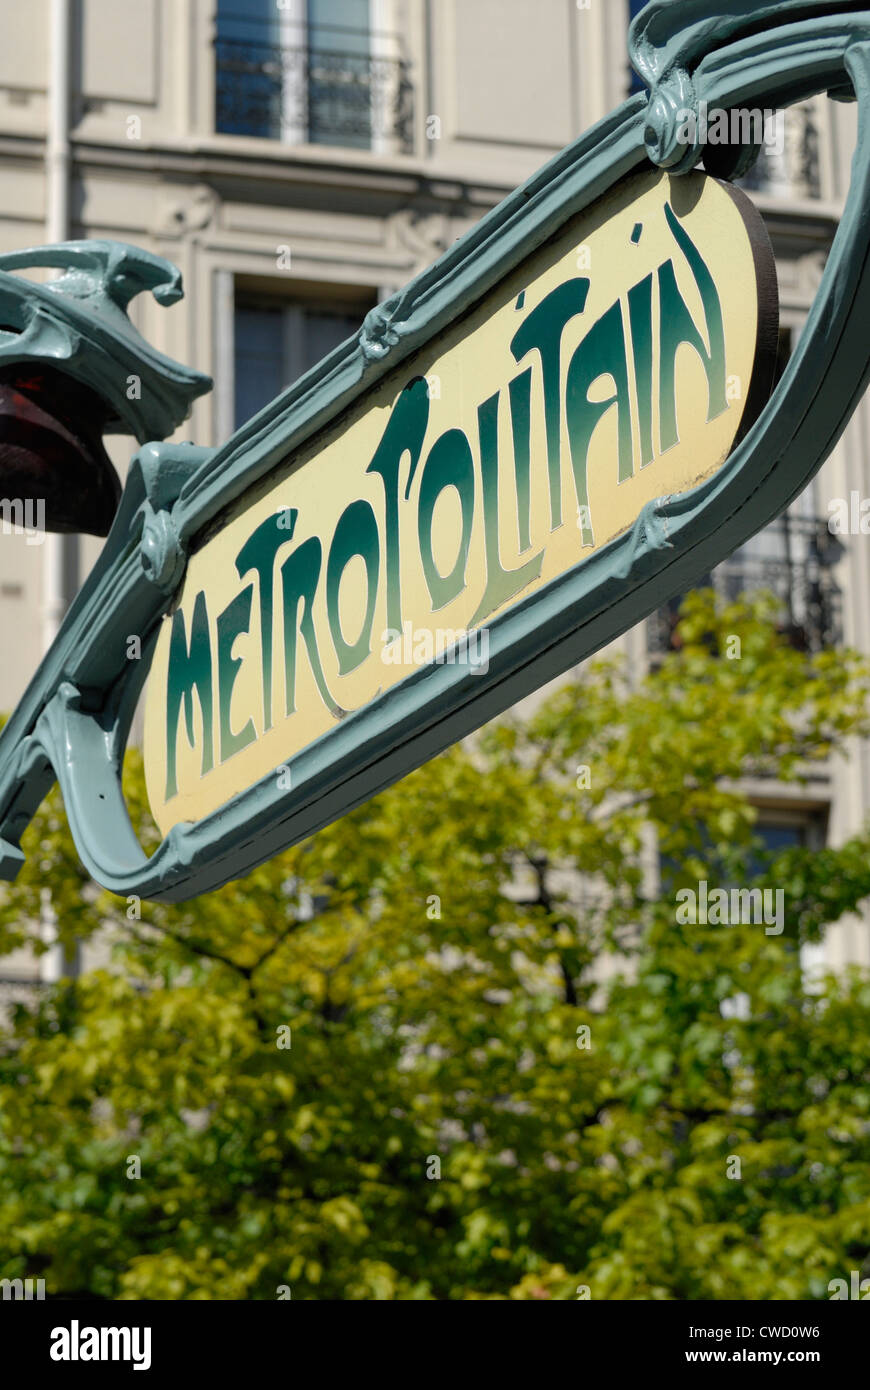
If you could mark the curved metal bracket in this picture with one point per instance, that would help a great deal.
(682, 48)
(79, 323)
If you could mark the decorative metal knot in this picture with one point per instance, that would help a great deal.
(379, 333)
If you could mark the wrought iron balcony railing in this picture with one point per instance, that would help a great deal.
(794, 559)
(304, 93)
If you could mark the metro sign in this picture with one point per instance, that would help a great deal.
(619, 364)
(561, 424)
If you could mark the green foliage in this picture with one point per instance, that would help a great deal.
(434, 955)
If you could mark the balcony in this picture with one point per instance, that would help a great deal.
(794, 559)
(329, 86)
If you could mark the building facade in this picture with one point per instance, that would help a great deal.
(300, 160)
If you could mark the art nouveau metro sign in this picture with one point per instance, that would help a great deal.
(617, 364)
(555, 428)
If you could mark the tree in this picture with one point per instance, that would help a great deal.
(459, 1045)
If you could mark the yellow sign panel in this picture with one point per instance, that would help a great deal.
(616, 366)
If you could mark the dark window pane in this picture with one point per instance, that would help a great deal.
(340, 25)
(339, 73)
(635, 84)
(249, 69)
(324, 332)
(315, 73)
(275, 344)
(259, 360)
(776, 836)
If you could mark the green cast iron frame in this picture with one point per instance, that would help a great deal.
(73, 722)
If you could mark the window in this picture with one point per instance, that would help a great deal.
(276, 343)
(796, 830)
(248, 76)
(792, 832)
(312, 72)
(339, 73)
(634, 82)
(259, 365)
(795, 557)
(788, 165)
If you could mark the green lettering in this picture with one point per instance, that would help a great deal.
(678, 327)
(235, 620)
(501, 584)
(640, 318)
(542, 332)
(355, 534)
(450, 464)
(299, 578)
(601, 353)
(258, 554)
(189, 669)
(521, 428)
(404, 434)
